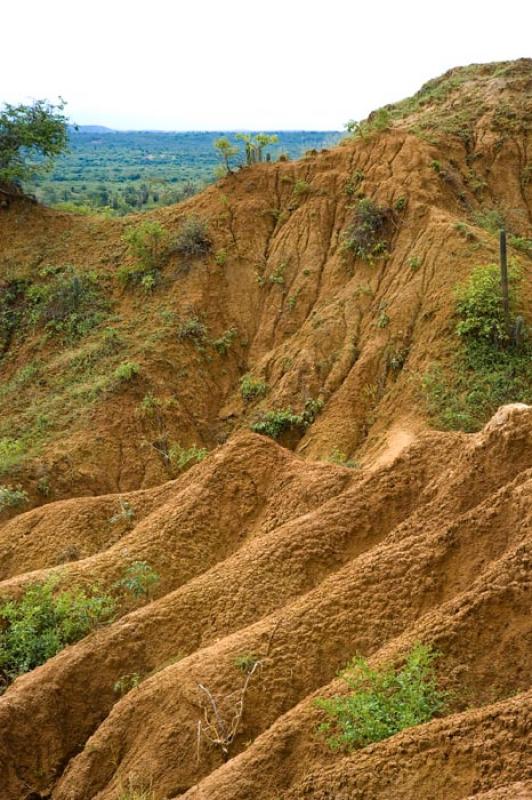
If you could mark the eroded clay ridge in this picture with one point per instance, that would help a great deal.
(303, 564)
(277, 297)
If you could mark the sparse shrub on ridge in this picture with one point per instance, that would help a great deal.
(382, 701)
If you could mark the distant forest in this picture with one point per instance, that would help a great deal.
(119, 172)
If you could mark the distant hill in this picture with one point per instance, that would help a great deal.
(93, 129)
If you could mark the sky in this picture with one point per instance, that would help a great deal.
(229, 64)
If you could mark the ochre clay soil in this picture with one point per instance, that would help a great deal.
(265, 549)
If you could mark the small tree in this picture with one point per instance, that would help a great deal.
(226, 150)
(31, 137)
(255, 143)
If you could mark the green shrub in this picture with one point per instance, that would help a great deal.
(12, 498)
(490, 368)
(414, 262)
(193, 239)
(69, 304)
(126, 371)
(224, 343)
(382, 701)
(184, 457)
(383, 320)
(479, 305)
(363, 236)
(12, 452)
(379, 120)
(148, 243)
(42, 622)
(521, 243)
(221, 257)
(490, 219)
(301, 188)
(277, 276)
(274, 423)
(251, 388)
(246, 662)
(192, 328)
(139, 579)
(125, 513)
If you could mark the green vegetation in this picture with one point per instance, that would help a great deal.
(414, 262)
(377, 121)
(192, 328)
(255, 144)
(42, 622)
(12, 498)
(68, 303)
(493, 365)
(342, 460)
(125, 513)
(226, 151)
(301, 188)
(382, 701)
(139, 580)
(118, 172)
(193, 239)
(126, 371)
(246, 661)
(11, 453)
(223, 344)
(364, 234)
(148, 243)
(220, 257)
(274, 423)
(126, 683)
(251, 388)
(184, 457)
(277, 276)
(31, 138)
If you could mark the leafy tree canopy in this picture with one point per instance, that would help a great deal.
(31, 137)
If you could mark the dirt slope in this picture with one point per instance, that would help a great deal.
(268, 551)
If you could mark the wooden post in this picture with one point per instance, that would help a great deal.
(504, 279)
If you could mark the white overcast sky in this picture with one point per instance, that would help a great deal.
(280, 64)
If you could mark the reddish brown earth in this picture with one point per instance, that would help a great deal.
(268, 550)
